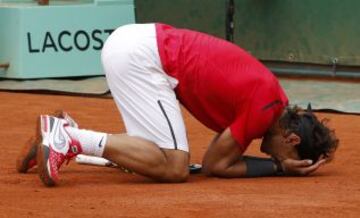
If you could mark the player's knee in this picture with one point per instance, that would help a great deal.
(176, 167)
(177, 176)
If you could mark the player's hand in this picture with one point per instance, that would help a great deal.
(293, 167)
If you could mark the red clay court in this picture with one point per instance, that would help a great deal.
(334, 191)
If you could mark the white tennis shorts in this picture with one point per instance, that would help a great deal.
(143, 92)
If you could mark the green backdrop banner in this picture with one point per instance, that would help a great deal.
(306, 31)
(202, 15)
(293, 31)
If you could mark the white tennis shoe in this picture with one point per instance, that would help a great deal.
(56, 147)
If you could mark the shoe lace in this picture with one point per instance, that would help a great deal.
(74, 149)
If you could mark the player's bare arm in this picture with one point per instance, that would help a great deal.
(224, 159)
(298, 144)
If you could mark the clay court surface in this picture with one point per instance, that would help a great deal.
(334, 191)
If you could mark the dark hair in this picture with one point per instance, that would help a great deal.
(316, 138)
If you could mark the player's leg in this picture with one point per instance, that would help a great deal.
(155, 144)
(61, 142)
(146, 158)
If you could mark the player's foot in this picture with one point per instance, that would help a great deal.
(56, 147)
(27, 157)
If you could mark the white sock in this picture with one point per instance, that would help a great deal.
(92, 143)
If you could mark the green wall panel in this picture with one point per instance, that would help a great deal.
(202, 15)
(306, 31)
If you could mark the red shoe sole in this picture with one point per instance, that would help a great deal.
(42, 159)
